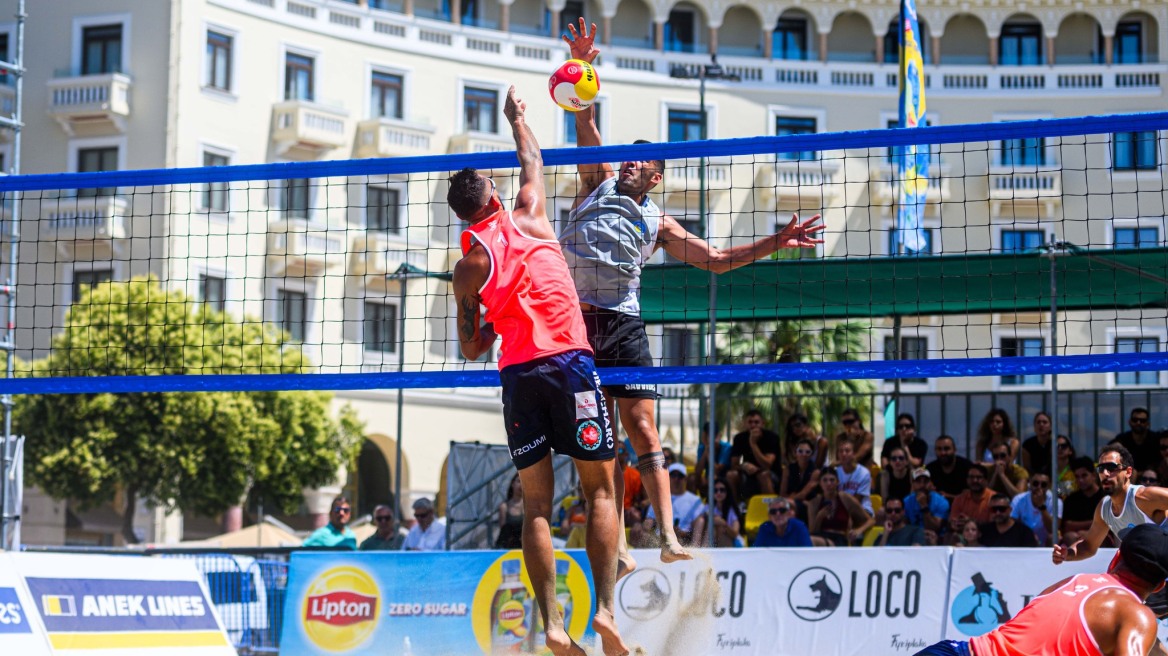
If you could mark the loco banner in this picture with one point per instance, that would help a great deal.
(121, 605)
(468, 602)
(20, 631)
(786, 602)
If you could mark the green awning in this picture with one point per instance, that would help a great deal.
(842, 288)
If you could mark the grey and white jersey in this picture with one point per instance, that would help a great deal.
(606, 240)
(1131, 515)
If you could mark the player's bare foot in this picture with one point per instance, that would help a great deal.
(625, 564)
(672, 551)
(561, 644)
(605, 627)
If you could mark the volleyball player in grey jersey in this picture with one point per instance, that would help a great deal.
(613, 229)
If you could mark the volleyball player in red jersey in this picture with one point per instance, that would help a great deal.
(1087, 614)
(513, 266)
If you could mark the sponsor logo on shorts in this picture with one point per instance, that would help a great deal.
(588, 435)
(529, 446)
(641, 388)
(586, 406)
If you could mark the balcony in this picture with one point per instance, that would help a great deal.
(882, 190)
(91, 105)
(799, 184)
(83, 228)
(387, 137)
(378, 254)
(1024, 190)
(483, 142)
(684, 177)
(304, 130)
(299, 247)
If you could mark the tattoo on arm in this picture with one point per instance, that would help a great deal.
(468, 327)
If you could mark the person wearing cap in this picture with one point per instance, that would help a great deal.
(686, 508)
(1086, 614)
(612, 230)
(428, 533)
(925, 507)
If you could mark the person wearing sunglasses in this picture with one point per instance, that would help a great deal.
(782, 529)
(852, 428)
(1033, 508)
(1162, 464)
(906, 438)
(1140, 440)
(1002, 530)
(1006, 476)
(386, 537)
(337, 532)
(898, 531)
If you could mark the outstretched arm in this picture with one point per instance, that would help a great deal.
(469, 275)
(695, 251)
(582, 45)
(530, 200)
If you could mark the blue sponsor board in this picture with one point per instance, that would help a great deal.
(108, 605)
(13, 618)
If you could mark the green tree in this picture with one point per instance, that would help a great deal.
(791, 342)
(201, 451)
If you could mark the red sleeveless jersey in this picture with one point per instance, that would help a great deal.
(529, 293)
(1052, 624)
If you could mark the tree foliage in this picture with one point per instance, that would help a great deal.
(200, 452)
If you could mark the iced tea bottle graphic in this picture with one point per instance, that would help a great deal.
(510, 612)
(538, 636)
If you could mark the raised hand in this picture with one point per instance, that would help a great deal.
(582, 44)
(514, 107)
(801, 235)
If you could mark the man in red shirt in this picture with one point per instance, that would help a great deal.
(1086, 614)
(512, 265)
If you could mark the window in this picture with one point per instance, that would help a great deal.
(213, 292)
(681, 32)
(468, 11)
(911, 348)
(572, 10)
(83, 280)
(1014, 347)
(385, 95)
(91, 160)
(892, 43)
(382, 208)
(786, 125)
(1027, 151)
(685, 125)
(215, 193)
(680, 347)
(4, 56)
(894, 249)
(1128, 44)
(1137, 237)
(1137, 345)
(1021, 45)
(570, 123)
(1134, 151)
(1017, 241)
(789, 40)
(380, 331)
(101, 50)
(298, 74)
(218, 63)
(294, 198)
(292, 313)
(481, 109)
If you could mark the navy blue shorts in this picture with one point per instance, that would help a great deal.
(946, 648)
(555, 403)
(619, 340)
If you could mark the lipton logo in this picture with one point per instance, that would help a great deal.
(340, 608)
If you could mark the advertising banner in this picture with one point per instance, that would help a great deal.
(421, 604)
(783, 602)
(19, 631)
(122, 605)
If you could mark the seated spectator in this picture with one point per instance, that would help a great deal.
(511, 517)
(906, 437)
(924, 507)
(754, 458)
(688, 510)
(837, 518)
(668, 454)
(428, 534)
(1143, 444)
(1003, 530)
(949, 471)
(634, 488)
(782, 529)
(1066, 454)
(1162, 463)
(1005, 476)
(896, 479)
(1033, 508)
(387, 537)
(970, 536)
(801, 477)
(897, 531)
(1081, 505)
(726, 524)
(721, 456)
(996, 429)
(578, 535)
(974, 502)
(337, 532)
(853, 479)
(1148, 478)
(1036, 448)
(799, 428)
(852, 428)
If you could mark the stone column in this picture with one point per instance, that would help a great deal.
(936, 43)
(768, 45)
(659, 36)
(713, 40)
(607, 33)
(1108, 49)
(456, 18)
(408, 7)
(994, 51)
(1050, 50)
(504, 17)
(879, 48)
(823, 47)
(554, 28)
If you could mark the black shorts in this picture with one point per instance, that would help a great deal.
(619, 340)
(555, 403)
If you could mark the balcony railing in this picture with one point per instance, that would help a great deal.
(87, 218)
(91, 105)
(1037, 187)
(305, 130)
(296, 245)
(882, 188)
(386, 137)
(795, 182)
(684, 177)
(378, 254)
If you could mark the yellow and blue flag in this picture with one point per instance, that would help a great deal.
(911, 163)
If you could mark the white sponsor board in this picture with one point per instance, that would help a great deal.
(20, 628)
(782, 602)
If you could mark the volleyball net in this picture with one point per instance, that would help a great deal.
(1042, 251)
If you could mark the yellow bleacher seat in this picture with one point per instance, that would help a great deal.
(877, 502)
(756, 512)
(872, 535)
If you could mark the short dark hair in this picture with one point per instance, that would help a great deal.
(829, 471)
(947, 438)
(1001, 497)
(1083, 462)
(894, 499)
(1140, 410)
(753, 412)
(980, 468)
(907, 415)
(465, 195)
(339, 499)
(659, 163)
(1125, 456)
